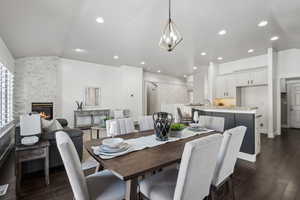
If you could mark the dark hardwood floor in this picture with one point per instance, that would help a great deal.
(275, 175)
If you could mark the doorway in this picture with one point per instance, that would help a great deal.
(290, 102)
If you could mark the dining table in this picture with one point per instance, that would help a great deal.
(131, 166)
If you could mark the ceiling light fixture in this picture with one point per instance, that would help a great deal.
(194, 68)
(250, 50)
(116, 57)
(220, 58)
(79, 50)
(184, 76)
(143, 62)
(274, 38)
(222, 32)
(170, 36)
(203, 54)
(100, 20)
(158, 71)
(262, 23)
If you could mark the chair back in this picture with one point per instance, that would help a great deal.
(118, 114)
(125, 125)
(210, 122)
(197, 167)
(179, 113)
(112, 127)
(230, 147)
(72, 165)
(146, 123)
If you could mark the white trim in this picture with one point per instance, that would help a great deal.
(247, 157)
(7, 129)
(262, 130)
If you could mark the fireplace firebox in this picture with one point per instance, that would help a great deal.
(44, 109)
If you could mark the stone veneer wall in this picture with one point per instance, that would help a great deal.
(35, 81)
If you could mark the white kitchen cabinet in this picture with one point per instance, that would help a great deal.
(252, 78)
(243, 79)
(226, 86)
(259, 77)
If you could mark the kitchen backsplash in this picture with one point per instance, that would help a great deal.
(227, 102)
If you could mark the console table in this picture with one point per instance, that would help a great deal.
(91, 114)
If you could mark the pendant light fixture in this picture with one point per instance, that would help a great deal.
(170, 36)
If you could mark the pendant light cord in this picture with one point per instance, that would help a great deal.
(169, 10)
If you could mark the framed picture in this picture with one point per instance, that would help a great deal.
(92, 96)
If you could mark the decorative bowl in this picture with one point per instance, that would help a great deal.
(113, 142)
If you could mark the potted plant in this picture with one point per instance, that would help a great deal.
(176, 129)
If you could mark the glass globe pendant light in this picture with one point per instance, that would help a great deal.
(170, 36)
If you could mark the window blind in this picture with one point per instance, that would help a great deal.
(6, 96)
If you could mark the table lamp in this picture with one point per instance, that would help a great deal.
(30, 125)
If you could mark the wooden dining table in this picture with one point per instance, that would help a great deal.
(131, 166)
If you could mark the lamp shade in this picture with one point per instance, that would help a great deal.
(30, 124)
(170, 36)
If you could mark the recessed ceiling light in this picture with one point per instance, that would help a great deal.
(220, 58)
(143, 62)
(116, 57)
(203, 53)
(79, 50)
(184, 76)
(195, 68)
(250, 50)
(262, 23)
(274, 38)
(100, 20)
(222, 32)
(158, 71)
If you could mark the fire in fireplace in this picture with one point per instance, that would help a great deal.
(44, 109)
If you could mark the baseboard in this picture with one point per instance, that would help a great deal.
(247, 157)
(262, 130)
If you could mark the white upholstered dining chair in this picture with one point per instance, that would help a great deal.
(125, 125)
(230, 148)
(211, 122)
(146, 123)
(102, 185)
(193, 180)
(119, 126)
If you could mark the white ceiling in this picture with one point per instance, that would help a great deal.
(132, 29)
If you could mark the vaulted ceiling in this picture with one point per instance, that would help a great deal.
(132, 29)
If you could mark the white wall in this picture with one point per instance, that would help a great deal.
(6, 57)
(169, 90)
(36, 81)
(289, 63)
(242, 64)
(117, 84)
(288, 66)
(200, 86)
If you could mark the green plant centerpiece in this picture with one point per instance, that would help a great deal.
(176, 129)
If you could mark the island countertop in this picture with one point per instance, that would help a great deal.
(229, 109)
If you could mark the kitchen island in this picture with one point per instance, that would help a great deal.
(237, 116)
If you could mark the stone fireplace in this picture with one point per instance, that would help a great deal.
(44, 109)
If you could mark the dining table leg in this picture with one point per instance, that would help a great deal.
(131, 189)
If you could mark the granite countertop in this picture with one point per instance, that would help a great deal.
(237, 109)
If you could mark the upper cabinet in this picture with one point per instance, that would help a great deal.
(226, 86)
(252, 78)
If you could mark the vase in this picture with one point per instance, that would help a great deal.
(162, 123)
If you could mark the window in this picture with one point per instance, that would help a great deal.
(6, 97)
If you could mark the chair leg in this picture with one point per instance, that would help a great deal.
(212, 194)
(231, 188)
